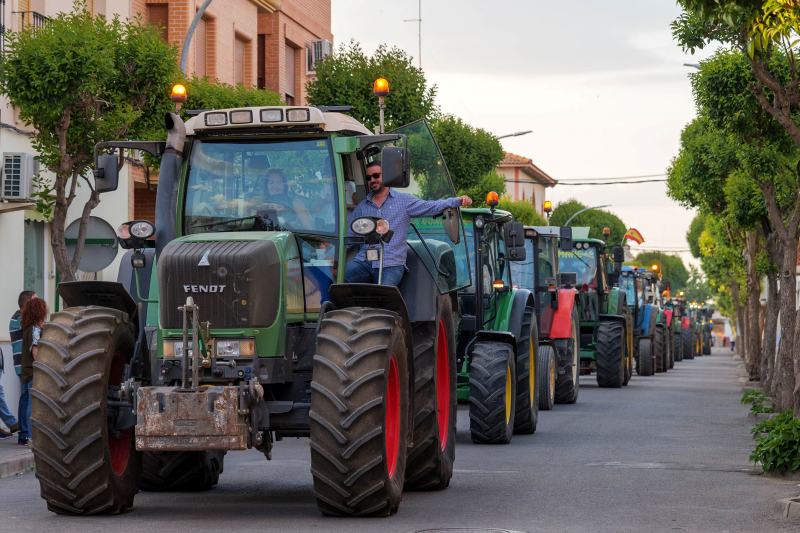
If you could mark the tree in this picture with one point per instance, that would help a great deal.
(203, 93)
(471, 155)
(79, 80)
(596, 219)
(696, 289)
(523, 211)
(671, 267)
(696, 227)
(346, 77)
(764, 33)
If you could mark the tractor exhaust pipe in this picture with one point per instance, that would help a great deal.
(167, 195)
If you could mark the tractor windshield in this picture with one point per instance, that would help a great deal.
(582, 261)
(265, 185)
(628, 284)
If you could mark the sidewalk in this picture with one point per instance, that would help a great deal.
(14, 459)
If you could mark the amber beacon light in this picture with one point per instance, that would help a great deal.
(492, 199)
(380, 87)
(178, 94)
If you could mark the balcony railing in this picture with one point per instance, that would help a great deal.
(30, 20)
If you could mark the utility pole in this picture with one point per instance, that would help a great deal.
(418, 20)
(187, 41)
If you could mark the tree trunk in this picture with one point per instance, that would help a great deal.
(753, 335)
(786, 360)
(768, 354)
(741, 327)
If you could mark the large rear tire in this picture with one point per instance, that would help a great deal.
(492, 393)
(658, 350)
(546, 372)
(610, 351)
(430, 460)
(677, 346)
(180, 471)
(83, 468)
(686, 340)
(644, 365)
(359, 412)
(706, 343)
(526, 414)
(568, 381)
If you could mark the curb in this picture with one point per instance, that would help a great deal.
(17, 465)
(790, 508)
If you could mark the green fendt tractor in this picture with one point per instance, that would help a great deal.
(247, 334)
(606, 328)
(498, 339)
(556, 317)
(677, 307)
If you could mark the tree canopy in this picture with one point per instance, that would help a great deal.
(596, 219)
(523, 211)
(671, 267)
(79, 80)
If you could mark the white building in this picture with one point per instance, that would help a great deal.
(27, 262)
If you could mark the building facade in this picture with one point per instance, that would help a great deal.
(524, 180)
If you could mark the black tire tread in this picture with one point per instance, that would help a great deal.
(526, 414)
(69, 423)
(610, 350)
(644, 366)
(487, 378)
(545, 359)
(180, 471)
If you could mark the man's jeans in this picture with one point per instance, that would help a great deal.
(358, 271)
(5, 412)
(24, 414)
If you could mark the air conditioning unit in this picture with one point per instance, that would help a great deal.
(17, 175)
(316, 52)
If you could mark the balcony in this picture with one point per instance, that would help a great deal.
(30, 20)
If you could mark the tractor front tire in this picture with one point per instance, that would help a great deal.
(644, 366)
(83, 467)
(181, 471)
(360, 421)
(546, 372)
(677, 346)
(430, 460)
(526, 414)
(686, 340)
(659, 349)
(568, 381)
(706, 343)
(492, 393)
(610, 351)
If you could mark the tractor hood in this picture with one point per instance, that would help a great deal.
(235, 278)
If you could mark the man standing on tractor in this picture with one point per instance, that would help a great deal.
(397, 209)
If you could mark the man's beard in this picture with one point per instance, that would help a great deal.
(377, 188)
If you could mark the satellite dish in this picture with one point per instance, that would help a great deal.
(100, 247)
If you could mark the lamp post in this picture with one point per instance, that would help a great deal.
(583, 211)
(190, 33)
(515, 134)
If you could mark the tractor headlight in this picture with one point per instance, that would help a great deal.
(382, 227)
(142, 229)
(174, 348)
(363, 226)
(235, 347)
(479, 222)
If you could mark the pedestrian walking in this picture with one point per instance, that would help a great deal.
(5, 413)
(15, 333)
(33, 316)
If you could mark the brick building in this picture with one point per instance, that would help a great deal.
(269, 44)
(524, 180)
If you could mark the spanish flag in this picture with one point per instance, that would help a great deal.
(634, 235)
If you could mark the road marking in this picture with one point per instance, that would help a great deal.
(675, 466)
(465, 471)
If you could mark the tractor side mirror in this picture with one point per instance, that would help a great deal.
(565, 239)
(452, 224)
(106, 173)
(514, 233)
(394, 166)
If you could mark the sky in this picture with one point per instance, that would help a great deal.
(601, 84)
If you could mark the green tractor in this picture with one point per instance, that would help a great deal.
(676, 306)
(232, 328)
(556, 317)
(606, 327)
(498, 338)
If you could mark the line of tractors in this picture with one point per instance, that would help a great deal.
(230, 326)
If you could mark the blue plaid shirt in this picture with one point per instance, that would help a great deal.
(397, 209)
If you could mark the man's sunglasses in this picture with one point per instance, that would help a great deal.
(374, 176)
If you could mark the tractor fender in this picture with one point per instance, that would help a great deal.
(381, 297)
(497, 336)
(668, 316)
(522, 299)
(685, 323)
(561, 325)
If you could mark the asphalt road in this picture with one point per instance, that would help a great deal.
(666, 453)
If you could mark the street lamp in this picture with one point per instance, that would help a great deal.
(583, 211)
(692, 65)
(515, 134)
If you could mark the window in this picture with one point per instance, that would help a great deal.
(158, 15)
(238, 61)
(12, 176)
(261, 59)
(34, 256)
(289, 75)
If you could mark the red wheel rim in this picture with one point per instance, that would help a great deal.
(119, 447)
(442, 385)
(392, 422)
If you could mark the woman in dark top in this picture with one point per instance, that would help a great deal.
(34, 314)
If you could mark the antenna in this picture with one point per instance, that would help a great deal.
(418, 20)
